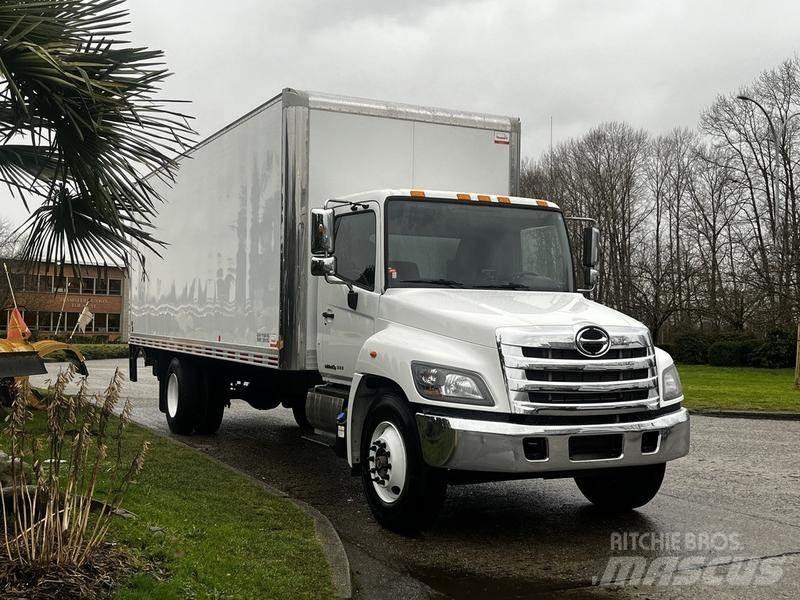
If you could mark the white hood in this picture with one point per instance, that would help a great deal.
(475, 315)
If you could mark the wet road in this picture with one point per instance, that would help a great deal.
(736, 497)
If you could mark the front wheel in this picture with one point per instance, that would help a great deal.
(623, 489)
(403, 492)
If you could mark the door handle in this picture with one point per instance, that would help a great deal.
(327, 315)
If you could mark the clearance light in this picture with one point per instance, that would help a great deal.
(417, 194)
(504, 200)
(463, 197)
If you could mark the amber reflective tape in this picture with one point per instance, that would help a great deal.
(463, 197)
(484, 198)
(503, 200)
(417, 193)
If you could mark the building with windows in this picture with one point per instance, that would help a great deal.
(41, 293)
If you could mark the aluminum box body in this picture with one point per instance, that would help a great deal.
(233, 282)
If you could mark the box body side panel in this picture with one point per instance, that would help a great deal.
(218, 279)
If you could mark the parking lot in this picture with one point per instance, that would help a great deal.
(736, 497)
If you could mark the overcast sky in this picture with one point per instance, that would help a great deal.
(654, 64)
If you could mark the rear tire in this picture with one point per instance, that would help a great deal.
(179, 390)
(619, 490)
(211, 405)
(408, 494)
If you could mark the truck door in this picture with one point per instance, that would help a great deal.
(347, 318)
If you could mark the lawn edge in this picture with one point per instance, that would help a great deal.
(332, 546)
(746, 414)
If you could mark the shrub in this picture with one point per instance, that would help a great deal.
(777, 352)
(47, 503)
(691, 348)
(668, 348)
(94, 351)
(731, 353)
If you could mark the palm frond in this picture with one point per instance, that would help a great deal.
(86, 103)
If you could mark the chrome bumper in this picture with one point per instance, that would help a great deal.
(491, 446)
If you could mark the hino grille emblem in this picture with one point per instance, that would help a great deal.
(592, 341)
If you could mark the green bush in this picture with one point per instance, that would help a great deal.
(668, 348)
(94, 352)
(777, 352)
(691, 348)
(731, 353)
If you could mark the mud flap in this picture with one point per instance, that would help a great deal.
(133, 354)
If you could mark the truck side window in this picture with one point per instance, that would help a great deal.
(355, 248)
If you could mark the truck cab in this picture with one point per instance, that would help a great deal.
(454, 344)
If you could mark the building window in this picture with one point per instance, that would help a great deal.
(87, 285)
(45, 283)
(100, 324)
(114, 287)
(45, 321)
(113, 322)
(30, 283)
(101, 286)
(59, 284)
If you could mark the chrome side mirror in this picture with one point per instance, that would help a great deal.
(591, 246)
(322, 231)
(323, 266)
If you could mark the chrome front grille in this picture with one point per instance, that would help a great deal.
(546, 374)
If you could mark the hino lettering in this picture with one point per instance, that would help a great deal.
(407, 306)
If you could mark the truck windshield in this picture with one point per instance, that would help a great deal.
(476, 246)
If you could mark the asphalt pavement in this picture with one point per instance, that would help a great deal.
(726, 523)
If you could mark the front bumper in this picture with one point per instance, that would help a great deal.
(497, 447)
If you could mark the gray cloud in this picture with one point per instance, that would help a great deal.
(654, 64)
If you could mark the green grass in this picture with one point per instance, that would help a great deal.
(739, 388)
(93, 352)
(216, 533)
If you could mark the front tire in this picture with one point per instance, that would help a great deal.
(403, 493)
(179, 388)
(619, 490)
(300, 417)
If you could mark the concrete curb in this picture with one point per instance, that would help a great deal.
(332, 546)
(747, 414)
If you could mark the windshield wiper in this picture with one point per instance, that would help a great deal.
(504, 286)
(442, 282)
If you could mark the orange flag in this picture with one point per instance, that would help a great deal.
(17, 330)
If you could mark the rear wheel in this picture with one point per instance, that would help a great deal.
(403, 492)
(211, 404)
(618, 490)
(179, 389)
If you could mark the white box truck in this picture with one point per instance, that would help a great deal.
(435, 336)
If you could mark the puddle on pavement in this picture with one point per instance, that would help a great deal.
(469, 585)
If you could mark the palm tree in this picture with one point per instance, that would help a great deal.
(80, 126)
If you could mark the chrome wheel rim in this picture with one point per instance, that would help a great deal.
(387, 462)
(172, 395)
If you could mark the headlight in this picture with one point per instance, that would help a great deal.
(671, 387)
(436, 382)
